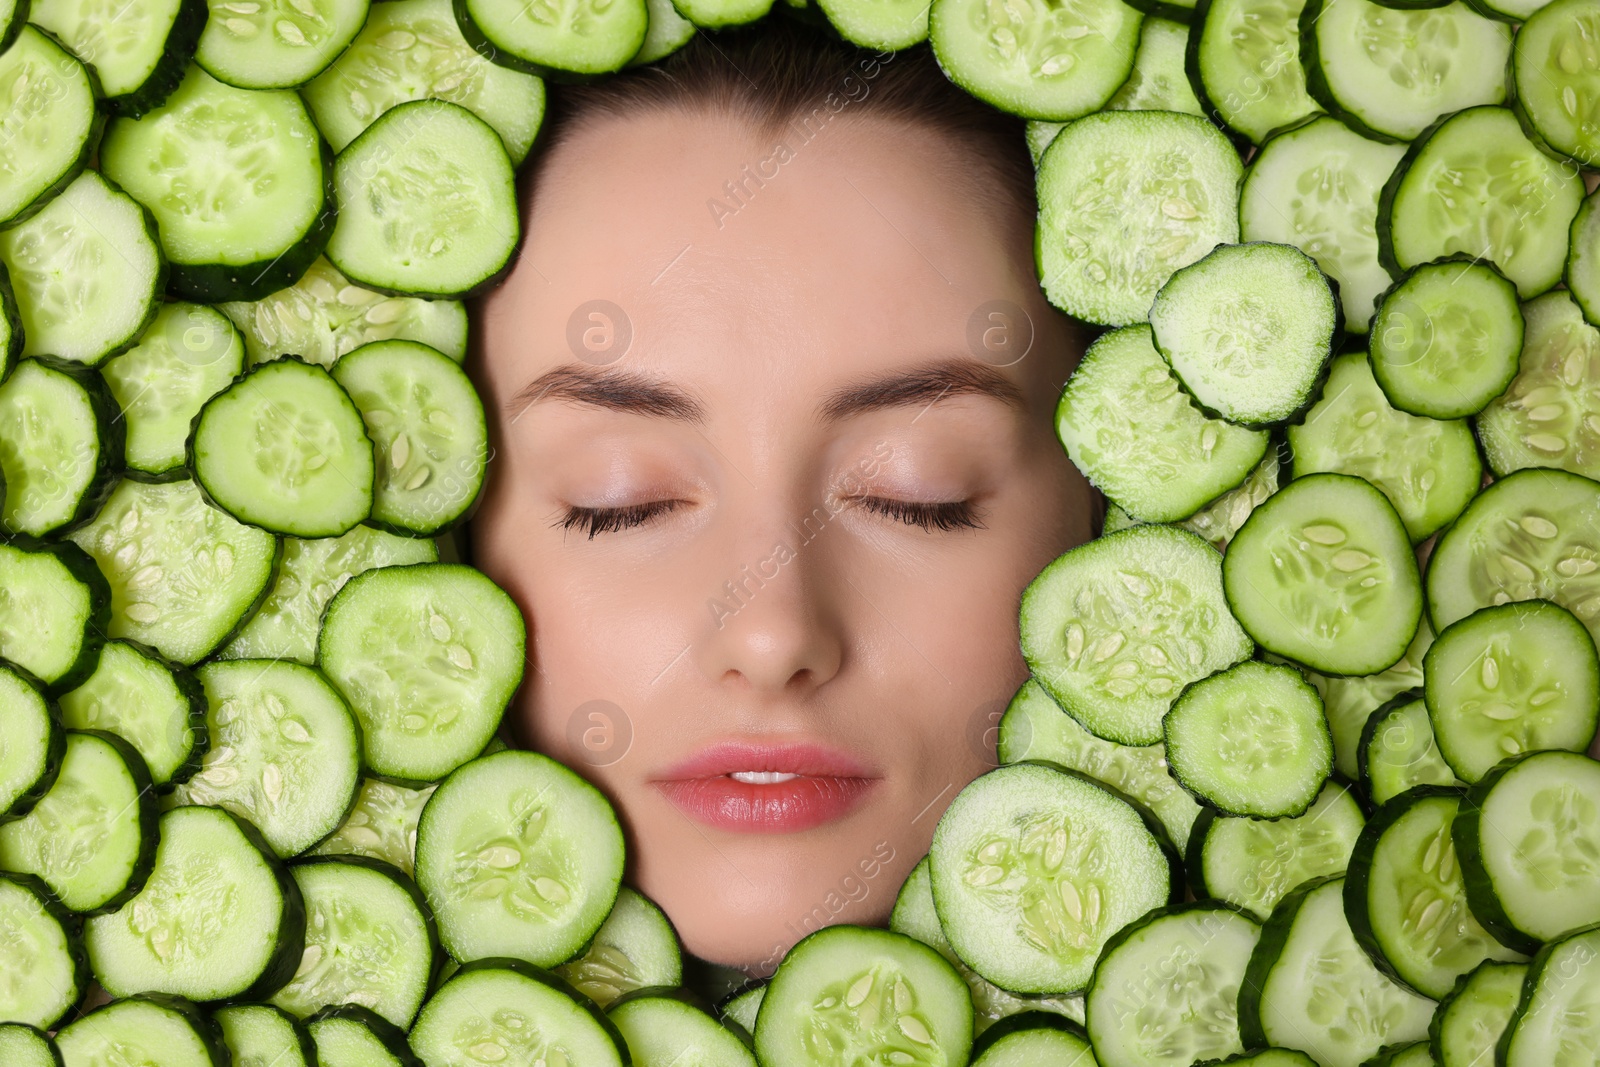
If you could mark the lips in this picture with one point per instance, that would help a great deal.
(767, 789)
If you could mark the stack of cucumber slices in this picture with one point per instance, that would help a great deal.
(1301, 775)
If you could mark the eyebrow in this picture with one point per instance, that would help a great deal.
(633, 392)
(617, 390)
(926, 385)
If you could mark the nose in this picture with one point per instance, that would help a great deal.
(771, 624)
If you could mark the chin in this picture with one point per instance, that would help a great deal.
(778, 891)
(757, 945)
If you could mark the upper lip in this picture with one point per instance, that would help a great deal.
(807, 759)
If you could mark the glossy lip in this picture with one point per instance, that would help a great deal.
(829, 784)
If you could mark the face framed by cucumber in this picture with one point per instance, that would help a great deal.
(1330, 667)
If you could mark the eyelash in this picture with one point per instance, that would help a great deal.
(604, 520)
(940, 515)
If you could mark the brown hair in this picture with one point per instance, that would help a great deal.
(781, 73)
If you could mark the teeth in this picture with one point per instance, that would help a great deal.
(762, 777)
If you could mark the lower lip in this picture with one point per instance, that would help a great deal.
(800, 803)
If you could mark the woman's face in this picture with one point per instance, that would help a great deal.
(809, 427)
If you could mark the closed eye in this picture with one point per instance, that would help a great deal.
(928, 515)
(604, 520)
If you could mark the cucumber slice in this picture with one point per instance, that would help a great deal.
(46, 974)
(1554, 70)
(1350, 702)
(30, 759)
(310, 574)
(1316, 186)
(846, 993)
(1474, 184)
(1405, 899)
(663, 1030)
(915, 916)
(1391, 73)
(571, 44)
(1404, 1054)
(1532, 535)
(60, 445)
(1032, 1038)
(1248, 331)
(1470, 1019)
(13, 16)
(265, 1035)
(22, 1045)
(1583, 280)
(1219, 520)
(428, 432)
(1554, 1024)
(370, 940)
(53, 612)
(138, 51)
(1178, 11)
(1446, 338)
(1311, 987)
(218, 919)
(183, 574)
(147, 1028)
(86, 270)
(1115, 628)
(188, 354)
(1323, 574)
(428, 657)
(382, 825)
(276, 44)
(1509, 10)
(1197, 954)
(322, 316)
(10, 326)
(1040, 134)
(1125, 199)
(1512, 679)
(719, 14)
(635, 948)
(358, 1037)
(1035, 728)
(92, 838)
(427, 204)
(1041, 62)
(1035, 867)
(285, 751)
(1253, 863)
(1528, 836)
(1428, 469)
(237, 181)
(1250, 740)
(666, 32)
(515, 852)
(1398, 750)
(1268, 1057)
(284, 448)
(1549, 416)
(884, 25)
(1134, 434)
(1158, 81)
(1244, 63)
(413, 50)
(49, 103)
(498, 1009)
(741, 1007)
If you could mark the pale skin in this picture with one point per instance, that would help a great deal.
(751, 439)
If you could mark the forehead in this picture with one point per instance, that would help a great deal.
(863, 239)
